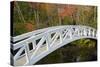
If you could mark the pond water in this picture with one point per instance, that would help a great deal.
(73, 52)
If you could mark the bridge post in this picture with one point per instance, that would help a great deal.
(94, 33)
(89, 32)
(34, 45)
(82, 32)
(48, 41)
(70, 34)
(85, 31)
(77, 32)
(61, 37)
(26, 53)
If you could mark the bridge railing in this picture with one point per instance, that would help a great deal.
(29, 34)
(47, 38)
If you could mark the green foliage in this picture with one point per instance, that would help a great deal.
(84, 43)
(18, 27)
(48, 16)
(67, 21)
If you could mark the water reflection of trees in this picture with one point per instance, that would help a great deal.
(73, 52)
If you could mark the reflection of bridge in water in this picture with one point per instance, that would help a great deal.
(30, 47)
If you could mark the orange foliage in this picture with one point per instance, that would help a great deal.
(29, 27)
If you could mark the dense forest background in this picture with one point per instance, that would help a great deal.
(30, 16)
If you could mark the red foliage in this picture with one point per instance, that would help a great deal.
(67, 11)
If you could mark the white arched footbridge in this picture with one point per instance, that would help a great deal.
(29, 48)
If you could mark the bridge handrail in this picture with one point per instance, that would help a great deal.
(32, 33)
(47, 30)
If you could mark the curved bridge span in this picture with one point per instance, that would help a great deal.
(29, 48)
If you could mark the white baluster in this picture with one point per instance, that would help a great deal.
(27, 53)
(34, 44)
(61, 37)
(48, 40)
(89, 32)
